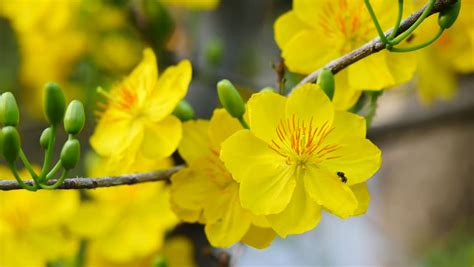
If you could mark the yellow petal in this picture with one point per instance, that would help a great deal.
(171, 87)
(402, 66)
(310, 103)
(344, 96)
(265, 111)
(371, 73)
(85, 224)
(309, 11)
(195, 143)
(347, 125)
(267, 182)
(143, 78)
(429, 89)
(190, 189)
(221, 126)
(357, 158)
(306, 52)
(361, 192)
(286, 27)
(112, 132)
(329, 191)
(302, 214)
(243, 154)
(179, 252)
(259, 237)
(232, 226)
(162, 138)
(260, 221)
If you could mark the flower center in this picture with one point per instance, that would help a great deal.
(301, 142)
(345, 20)
(123, 99)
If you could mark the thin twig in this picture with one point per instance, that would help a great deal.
(374, 46)
(90, 183)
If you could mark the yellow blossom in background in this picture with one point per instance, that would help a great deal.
(179, 252)
(205, 191)
(301, 154)
(32, 225)
(315, 32)
(136, 121)
(193, 4)
(125, 225)
(49, 41)
(452, 54)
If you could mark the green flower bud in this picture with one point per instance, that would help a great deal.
(74, 118)
(326, 82)
(54, 103)
(10, 144)
(184, 111)
(1, 143)
(160, 261)
(448, 16)
(9, 114)
(45, 138)
(70, 154)
(230, 99)
(214, 51)
(267, 89)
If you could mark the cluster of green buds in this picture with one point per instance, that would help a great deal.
(446, 19)
(232, 101)
(56, 112)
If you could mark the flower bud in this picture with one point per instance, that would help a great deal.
(45, 137)
(74, 118)
(9, 114)
(70, 154)
(326, 82)
(448, 16)
(184, 111)
(1, 143)
(230, 99)
(10, 143)
(54, 103)
(267, 89)
(160, 261)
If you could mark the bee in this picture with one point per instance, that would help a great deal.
(342, 176)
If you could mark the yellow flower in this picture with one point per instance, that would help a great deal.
(315, 32)
(193, 4)
(179, 252)
(137, 121)
(42, 38)
(205, 191)
(450, 55)
(133, 219)
(298, 155)
(32, 225)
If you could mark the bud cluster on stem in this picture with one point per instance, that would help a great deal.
(54, 104)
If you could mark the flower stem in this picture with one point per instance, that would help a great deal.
(19, 180)
(57, 183)
(53, 171)
(408, 32)
(399, 19)
(243, 123)
(48, 154)
(382, 36)
(28, 166)
(419, 46)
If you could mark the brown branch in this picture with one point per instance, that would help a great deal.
(374, 46)
(90, 183)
